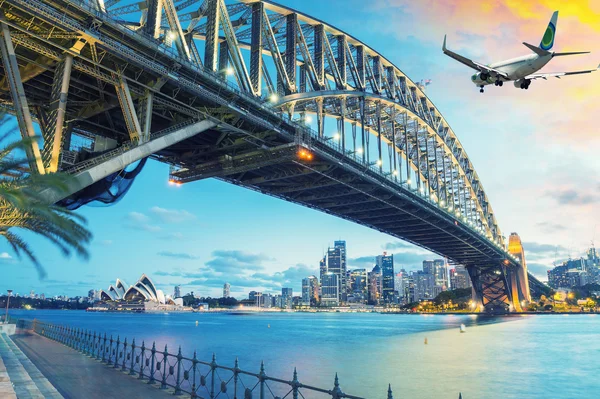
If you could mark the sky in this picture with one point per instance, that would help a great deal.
(536, 152)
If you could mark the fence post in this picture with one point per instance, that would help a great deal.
(295, 384)
(151, 381)
(178, 382)
(124, 355)
(213, 369)
(131, 372)
(141, 377)
(116, 362)
(110, 349)
(261, 377)
(194, 363)
(163, 384)
(236, 370)
(104, 349)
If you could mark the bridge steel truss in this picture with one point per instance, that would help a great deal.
(141, 77)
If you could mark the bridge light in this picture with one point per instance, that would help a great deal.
(379, 163)
(171, 35)
(395, 172)
(229, 71)
(359, 150)
(307, 119)
(442, 203)
(336, 136)
(274, 97)
(407, 181)
(450, 209)
(506, 262)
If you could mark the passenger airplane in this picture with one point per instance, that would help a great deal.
(521, 70)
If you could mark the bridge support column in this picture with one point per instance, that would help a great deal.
(54, 130)
(17, 93)
(491, 288)
(320, 117)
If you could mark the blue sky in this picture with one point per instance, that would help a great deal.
(534, 156)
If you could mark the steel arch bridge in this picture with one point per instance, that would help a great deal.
(226, 89)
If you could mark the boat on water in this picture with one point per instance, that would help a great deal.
(463, 329)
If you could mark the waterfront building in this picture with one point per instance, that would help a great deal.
(266, 301)
(226, 290)
(439, 270)
(424, 284)
(310, 291)
(252, 295)
(459, 278)
(141, 296)
(330, 290)
(572, 273)
(336, 263)
(287, 294)
(177, 291)
(278, 301)
(386, 264)
(358, 284)
(401, 284)
(374, 286)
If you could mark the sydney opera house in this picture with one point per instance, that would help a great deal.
(143, 296)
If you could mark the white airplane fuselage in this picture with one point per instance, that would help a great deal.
(515, 68)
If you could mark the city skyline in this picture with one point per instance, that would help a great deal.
(202, 231)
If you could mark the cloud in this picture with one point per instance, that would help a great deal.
(539, 270)
(573, 197)
(398, 245)
(106, 242)
(241, 256)
(172, 215)
(548, 227)
(537, 251)
(176, 235)
(139, 221)
(5, 255)
(178, 255)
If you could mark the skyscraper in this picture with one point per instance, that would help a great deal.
(424, 285)
(438, 269)
(226, 290)
(459, 278)
(287, 294)
(335, 262)
(386, 263)
(330, 286)
(375, 286)
(310, 291)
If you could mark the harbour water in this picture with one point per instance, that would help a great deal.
(504, 357)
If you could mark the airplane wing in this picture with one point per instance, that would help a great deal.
(558, 74)
(472, 64)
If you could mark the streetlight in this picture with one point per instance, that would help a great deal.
(7, 302)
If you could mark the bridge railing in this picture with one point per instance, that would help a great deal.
(192, 376)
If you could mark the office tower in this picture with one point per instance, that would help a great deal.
(401, 286)
(177, 291)
(287, 294)
(336, 263)
(330, 290)
(386, 264)
(226, 290)
(459, 278)
(438, 269)
(424, 284)
(375, 286)
(310, 291)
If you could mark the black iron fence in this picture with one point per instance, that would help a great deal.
(199, 379)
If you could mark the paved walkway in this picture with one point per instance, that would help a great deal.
(77, 376)
(6, 388)
(26, 380)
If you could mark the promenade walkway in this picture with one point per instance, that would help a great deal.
(77, 376)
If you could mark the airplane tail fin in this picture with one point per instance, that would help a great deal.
(539, 51)
(548, 38)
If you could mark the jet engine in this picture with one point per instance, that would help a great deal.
(522, 83)
(481, 78)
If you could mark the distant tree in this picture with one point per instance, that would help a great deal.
(21, 206)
